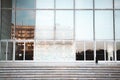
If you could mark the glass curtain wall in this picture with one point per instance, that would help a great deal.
(92, 25)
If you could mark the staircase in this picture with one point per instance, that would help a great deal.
(59, 71)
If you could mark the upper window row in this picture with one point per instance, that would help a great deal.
(60, 4)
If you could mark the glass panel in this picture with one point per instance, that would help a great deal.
(80, 51)
(100, 51)
(84, 25)
(117, 4)
(104, 4)
(117, 24)
(84, 4)
(7, 3)
(45, 4)
(89, 50)
(110, 51)
(69, 54)
(3, 51)
(64, 4)
(29, 50)
(8, 20)
(25, 24)
(25, 3)
(44, 25)
(104, 24)
(10, 51)
(64, 24)
(118, 50)
(19, 52)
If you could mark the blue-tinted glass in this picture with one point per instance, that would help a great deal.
(25, 17)
(84, 4)
(45, 4)
(117, 24)
(64, 24)
(44, 25)
(64, 4)
(104, 25)
(84, 25)
(25, 3)
(103, 4)
(117, 4)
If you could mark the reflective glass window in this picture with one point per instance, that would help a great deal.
(84, 4)
(110, 55)
(117, 24)
(25, 3)
(103, 25)
(89, 52)
(118, 50)
(10, 51)
(84, 25)
(25, 24)
(117, 4)
(64, 24)
(64, 4)
(100, 50)
(7, 3)
(3, 51)
(104, 4)
(44, 25)
(7, 21)
(44, 4)
(80, 50)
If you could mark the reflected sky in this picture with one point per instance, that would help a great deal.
(25, 3)
(44, 19)
(103, 4)
(24, 17)
(104, 25)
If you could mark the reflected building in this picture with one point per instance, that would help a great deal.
(51, 31)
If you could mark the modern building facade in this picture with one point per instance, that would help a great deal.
(60, 30)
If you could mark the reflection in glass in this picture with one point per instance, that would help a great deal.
(104, 4)
(19, 51)
(29, 46)
(64, 24)
(84, 25)
(64, 4)
(84, 4)
(7, 3)
(117, 4)
(117, 24)
(45, 4)
(44, 25)
(3, 51)
(25, 3)
(118, 50)
(110, 51)
(25, 17)
(80, 51)
(100, 51)
(89, 46)
(10, 51)
(7, 21)
(104, 25)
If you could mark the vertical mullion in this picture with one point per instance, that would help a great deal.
(74, 20)
(6, 49)
(114, 30)
(84, 51)
(94, 30)
(14, 42)
(54, 20)
(24, 50)
(105, 51)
